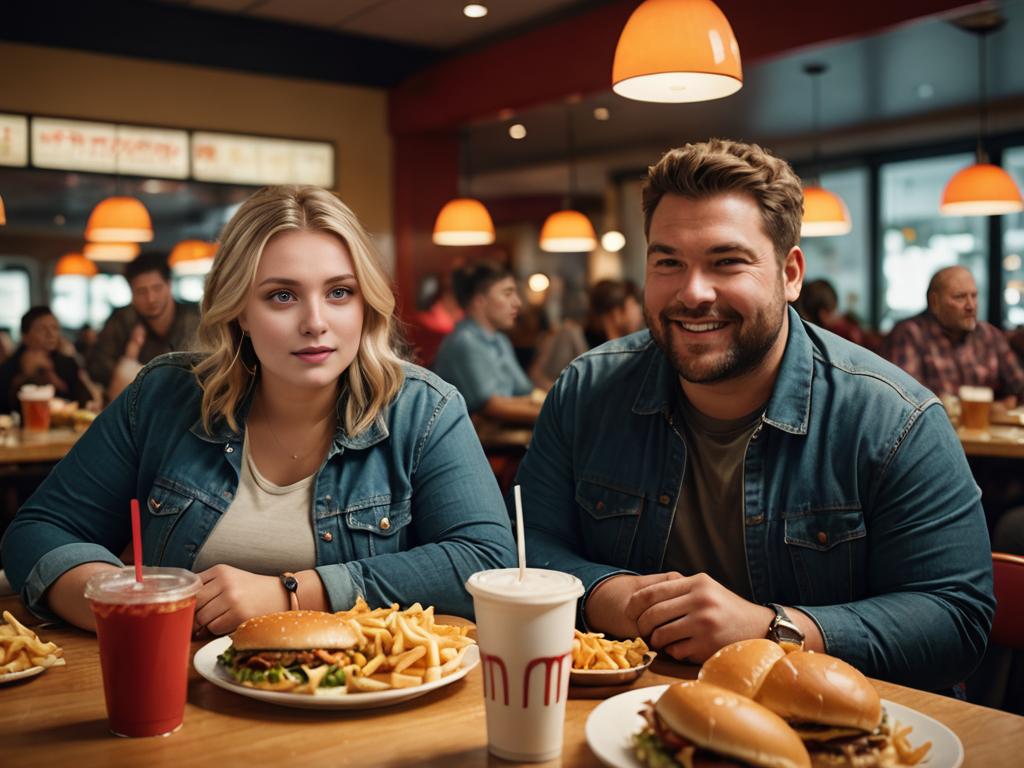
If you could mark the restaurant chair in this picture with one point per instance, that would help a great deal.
(1008, 585)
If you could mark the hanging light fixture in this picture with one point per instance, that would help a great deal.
(568, 230)
(75, 264)
(464, 220)
(192, 257)
(674, 51)
(119, 219)
(3, 213)
(825, 213)
(111, 251)
(982, 189)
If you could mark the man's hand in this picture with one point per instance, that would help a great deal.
(605, 610)
(133, 346)
(691, 617)
(230, 595)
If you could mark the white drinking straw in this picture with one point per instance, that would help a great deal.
(520, 535)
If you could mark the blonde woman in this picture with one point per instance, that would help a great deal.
(297, 460)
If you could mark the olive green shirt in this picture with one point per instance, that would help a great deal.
(707, 532)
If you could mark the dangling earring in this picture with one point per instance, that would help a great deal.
(238, 356)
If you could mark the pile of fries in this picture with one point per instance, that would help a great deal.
(907, 754)
(590, 650)
(21, 648)
(401, 649)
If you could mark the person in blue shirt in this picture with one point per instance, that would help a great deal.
(297, 456)
(734, 472)
(477, 357)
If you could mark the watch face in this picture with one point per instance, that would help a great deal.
(290, 583)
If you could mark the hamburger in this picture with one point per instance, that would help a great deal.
(300, 651)
(699, 725)
(830, 704)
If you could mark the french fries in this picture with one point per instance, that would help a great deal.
(401, 649)
(908, 755)
(21, 648)
(590, 650)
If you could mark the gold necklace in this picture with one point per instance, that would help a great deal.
(273, 433)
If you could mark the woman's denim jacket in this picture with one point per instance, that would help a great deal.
(403, 512)
(858, 504)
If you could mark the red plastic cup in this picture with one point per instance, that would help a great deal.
(144, 631)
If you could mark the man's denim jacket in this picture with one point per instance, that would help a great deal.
(404, 511)
(858, 503)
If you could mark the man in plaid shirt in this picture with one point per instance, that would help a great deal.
(946, 346)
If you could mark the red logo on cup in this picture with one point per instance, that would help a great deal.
(551, 664)
(490, 662)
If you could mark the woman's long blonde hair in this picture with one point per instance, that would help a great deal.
(225, 374)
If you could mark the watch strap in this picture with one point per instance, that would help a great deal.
(291, 586)
(782, 629)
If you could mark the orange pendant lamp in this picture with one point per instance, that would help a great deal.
(673, 51)
(192, 257)
(981, 189)
(119, 219)
(111, 251)
(3, 213)
(825, 213)
(568, 230)
(75, 264)
(463, 221)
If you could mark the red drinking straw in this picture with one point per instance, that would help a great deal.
(137, 540)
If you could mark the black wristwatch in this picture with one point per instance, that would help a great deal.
(783, 630)
(291, 586)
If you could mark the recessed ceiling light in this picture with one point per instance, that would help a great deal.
(601, 113)
(517, 131)
(475, 10)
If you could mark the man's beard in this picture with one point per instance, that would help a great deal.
(752, 340)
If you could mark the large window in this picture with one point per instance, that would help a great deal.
(1013, 247)
(16, 290)
(843, 260)
(917, 240)
(79, 301)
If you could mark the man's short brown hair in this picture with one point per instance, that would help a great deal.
(718, 166)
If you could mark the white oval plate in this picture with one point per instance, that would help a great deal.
(205, 662)
(10, 677)
(614, 721)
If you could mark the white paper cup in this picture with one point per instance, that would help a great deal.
(525, 634)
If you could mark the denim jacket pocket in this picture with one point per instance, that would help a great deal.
(165, 506)
(379, 527)
(610, 523)
(826, 547)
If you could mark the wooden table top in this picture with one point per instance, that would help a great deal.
(20, 447)
(998, 441)
(59, 717)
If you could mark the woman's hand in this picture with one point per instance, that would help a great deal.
(230, 595)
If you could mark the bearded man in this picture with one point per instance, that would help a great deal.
(734, 472)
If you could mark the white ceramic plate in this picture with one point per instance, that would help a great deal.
(205, 662)
(614, 721)
(10, 677)
(600, 677)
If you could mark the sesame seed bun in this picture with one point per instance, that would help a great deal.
(731, 725)
(294, 631)
(806, 687)
(742, 666)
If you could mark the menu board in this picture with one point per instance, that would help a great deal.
(241, 159)
(13, 140)
(78, 145)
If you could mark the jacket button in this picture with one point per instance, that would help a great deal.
(822, 537)
(664, 499)
(600, 506)
(228, 448)
(385, 524)
(327, 536)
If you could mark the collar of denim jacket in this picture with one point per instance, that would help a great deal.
(222, 433)
(788, 408)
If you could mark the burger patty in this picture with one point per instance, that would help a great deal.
(681, 750)
(269, 659)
